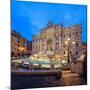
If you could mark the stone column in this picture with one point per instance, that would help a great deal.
(45, 45)
(53, 43)
(60, 42)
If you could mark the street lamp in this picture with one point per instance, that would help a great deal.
(73, 43)
(68, 43)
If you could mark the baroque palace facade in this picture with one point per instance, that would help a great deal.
(57, 39)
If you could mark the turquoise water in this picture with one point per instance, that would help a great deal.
(45, 63)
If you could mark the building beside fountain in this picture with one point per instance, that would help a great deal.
(52, 41)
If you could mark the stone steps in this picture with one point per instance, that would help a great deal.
(69, 74)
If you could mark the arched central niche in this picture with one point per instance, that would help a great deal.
(49, 44)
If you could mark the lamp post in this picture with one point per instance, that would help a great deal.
(68, 43)
(68, 55)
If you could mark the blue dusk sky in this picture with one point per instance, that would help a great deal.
(28, 18)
